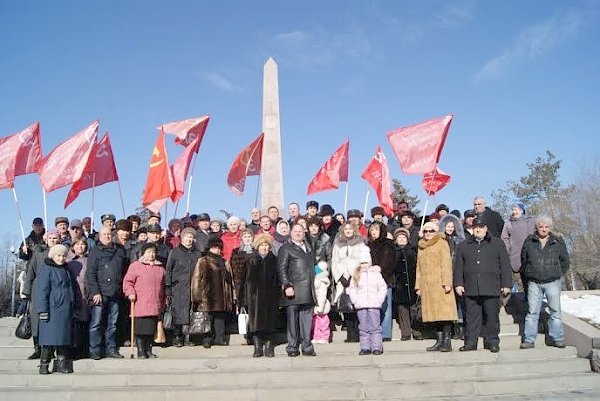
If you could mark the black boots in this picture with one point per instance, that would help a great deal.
(141, 347)
(270, 348)
(36, 350)
(438, 343)
(148, 347)
(458, 331)
(258, 347)
(446, 345)
(45, 357)
(178, 340)
(61, 365)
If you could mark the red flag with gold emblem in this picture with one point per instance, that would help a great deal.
(159, 184)
(247, 163)
(377, 175)
(188, 131)
(434, 181)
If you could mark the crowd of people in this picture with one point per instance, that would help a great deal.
(309, 275)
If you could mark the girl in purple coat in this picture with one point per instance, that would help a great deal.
(367, 292)
(144, 284)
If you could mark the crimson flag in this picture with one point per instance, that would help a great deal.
(377, 175)
(418, 147)
(20, 154)
(434, 181)
(333, 171)
(181, 167)
(66, 163)
(99, 170)
(159, 184)
(188, 131)
(248, 162)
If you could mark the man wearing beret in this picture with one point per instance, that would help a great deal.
(482, 273)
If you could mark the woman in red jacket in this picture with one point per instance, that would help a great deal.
(144, 284)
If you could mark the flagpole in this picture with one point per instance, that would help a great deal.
(257, 190)
(424, 214)
(45, 206)
(93, 202)
(19, 216)
(346, 199)
(366, 203)
(176, 207)
(187, 206)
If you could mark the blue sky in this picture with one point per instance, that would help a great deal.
(520, 76)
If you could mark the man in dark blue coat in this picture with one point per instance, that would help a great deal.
(296, 265)
(104, 278)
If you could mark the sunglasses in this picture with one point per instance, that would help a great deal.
(428, 231)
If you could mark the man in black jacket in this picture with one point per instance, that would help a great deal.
(544, 260)
(106, 267)
(491, 218)
(482, 273)
(296, 265)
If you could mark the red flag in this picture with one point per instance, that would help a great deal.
(377, 175)
(159, 184)
(187, 131)
(247, 163)
(20, 154)
(181, 166)
(99, 170)
(418, 147)
(66, 163)
(333, 171)
(434, 181)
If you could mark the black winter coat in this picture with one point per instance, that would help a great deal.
(482, 268)
(493, 221)
(179, 269)
(297, 269)
(32, 240)
(383, 254)
(332, 230)
(262, 293)
(543, 265)
(406, 274)
(321, 244)
(105, 270)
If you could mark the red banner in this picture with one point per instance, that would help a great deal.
(99, 170)
(159, 184)
(188, 131)
(66, 163)
(333, 171)
(247, 163)
(181, 167)
(418, 147)
(377, 175)
(20, 154)
(434, 181)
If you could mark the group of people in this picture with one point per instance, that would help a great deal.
(314, 271)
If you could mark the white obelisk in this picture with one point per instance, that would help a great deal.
(271, 170)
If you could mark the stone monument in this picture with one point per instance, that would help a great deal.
(271, 170)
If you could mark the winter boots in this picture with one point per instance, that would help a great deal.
(446, 345)
(270, 348)
(438, 343)
(258, 347)
(60, 365)
(144, 347)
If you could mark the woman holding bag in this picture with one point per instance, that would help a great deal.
(144, 285)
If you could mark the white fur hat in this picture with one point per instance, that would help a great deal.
(364, 255)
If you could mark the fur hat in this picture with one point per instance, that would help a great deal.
(442, 206)
(189, 230)
(57, 249)
(203, 217)
(108, 216)
(353, 213)
(153, 228)
(148, 245)
(401, 231)
(123, 225)
(135, 218)
(377, 210)
(364, 255)
(470, 213)
(431, 226)
(326, 210)
(262, 239)
(154, 214)
(312, 203)
(479, 221)
(215, 242)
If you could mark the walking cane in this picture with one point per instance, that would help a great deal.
(132, 314)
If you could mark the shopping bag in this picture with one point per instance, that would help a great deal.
(243, 322)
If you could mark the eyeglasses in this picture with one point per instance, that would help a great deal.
(428, 231)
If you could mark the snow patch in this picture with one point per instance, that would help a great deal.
(585, 307)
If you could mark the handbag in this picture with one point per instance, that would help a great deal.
(243, 321)
(167, 318)
(160, 337)
(344, 304)
(416, 314)
(199, 324)
(23, 330)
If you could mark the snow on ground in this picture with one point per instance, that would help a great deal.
(585, 307)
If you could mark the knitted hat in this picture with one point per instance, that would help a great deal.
(431, 226)
(364, 255)
(57, 249)
(401, 231)
(189, 230)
